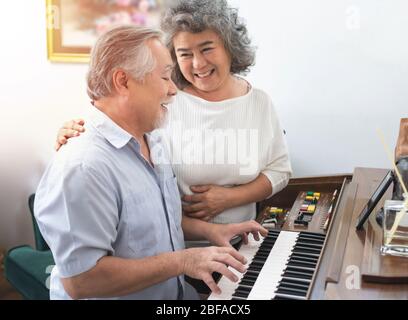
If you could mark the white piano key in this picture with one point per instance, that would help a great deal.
(271, 273)
(227, 286)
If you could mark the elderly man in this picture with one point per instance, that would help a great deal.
(108, 204)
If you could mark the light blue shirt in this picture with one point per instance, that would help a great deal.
(99, 197)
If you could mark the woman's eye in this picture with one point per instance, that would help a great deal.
(207, 49)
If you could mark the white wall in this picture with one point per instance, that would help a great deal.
(36, 97)
(336, 71)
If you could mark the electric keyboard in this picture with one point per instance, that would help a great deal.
(311, 260)
(280, 266)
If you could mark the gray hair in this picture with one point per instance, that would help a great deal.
(198, 15)
(123, 48)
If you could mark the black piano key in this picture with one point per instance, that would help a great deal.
(289, 284)
(296, 281)
(251, 276)
(248, 287)
(312, 241)
(266, 245)
(243, 289)
(260, 256)
(257, 261)
(317, 236)
(268, 241)
(249, 283)
(305, 250)
(251, 273)
(306, 254)
(297, 269)
(239, 295)
(270, 238)
(291, 289)
(309, 245)
(281, 296)
(254, 268)
(297, 275)
(263, 255)
(293, 292)
(312, 235)
(295, 278)
(264, 251)
(272, 235)
(312, 244)
(297, 262)
(242, 293)
(304, 257)
(300, 246)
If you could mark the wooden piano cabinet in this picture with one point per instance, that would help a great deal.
(339, 275)
(348, 283)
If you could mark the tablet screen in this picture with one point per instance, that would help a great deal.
(372, 202)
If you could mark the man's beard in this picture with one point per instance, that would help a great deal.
(162, 119)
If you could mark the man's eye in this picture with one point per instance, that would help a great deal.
(184, 55)
(207, 49)
(167, 79)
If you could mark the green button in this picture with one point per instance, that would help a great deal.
(310, 193)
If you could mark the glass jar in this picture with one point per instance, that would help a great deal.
(395, 228)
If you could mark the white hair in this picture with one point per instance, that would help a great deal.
(123, 48)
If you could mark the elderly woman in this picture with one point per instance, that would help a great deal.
(227, 146)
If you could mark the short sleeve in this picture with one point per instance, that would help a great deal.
(278, 169)
(77, 214)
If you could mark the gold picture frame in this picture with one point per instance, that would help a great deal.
(74, 25)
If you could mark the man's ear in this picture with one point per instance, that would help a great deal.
(120, 82)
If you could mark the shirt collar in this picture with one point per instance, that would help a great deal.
(115, 135)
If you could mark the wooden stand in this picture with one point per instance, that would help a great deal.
(379, 268)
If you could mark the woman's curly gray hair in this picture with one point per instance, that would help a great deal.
(198, 15)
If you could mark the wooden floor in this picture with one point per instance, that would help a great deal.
(7, 292)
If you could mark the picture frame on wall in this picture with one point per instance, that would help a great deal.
(74, 25)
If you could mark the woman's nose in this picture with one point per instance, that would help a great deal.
(199, 61)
